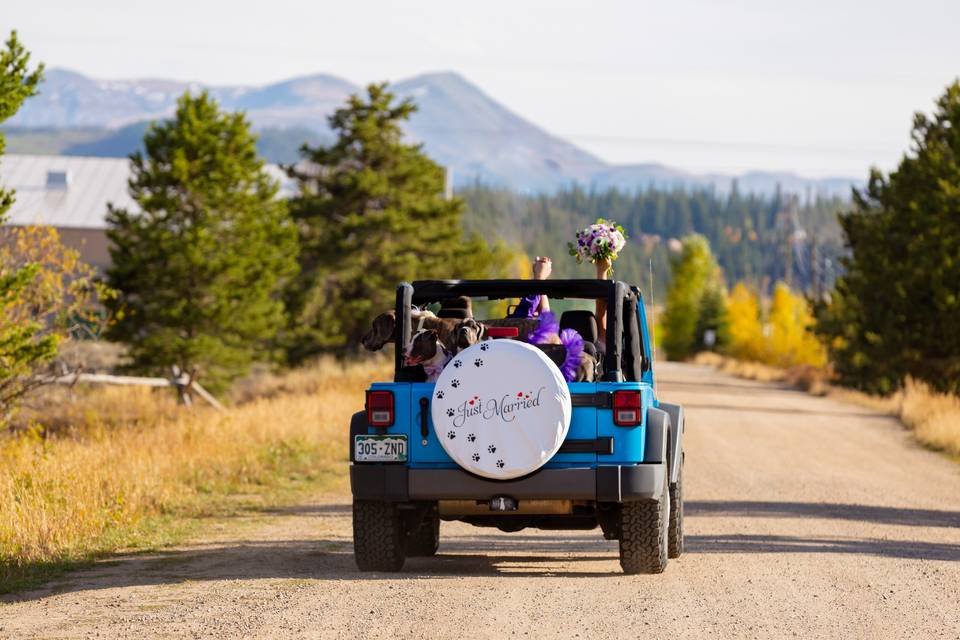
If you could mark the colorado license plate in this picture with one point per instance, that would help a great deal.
(380, 448)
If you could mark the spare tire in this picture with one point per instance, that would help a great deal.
(501, 409)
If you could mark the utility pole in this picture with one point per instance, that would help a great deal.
(447, 183)
(814, 267)
(788, 225)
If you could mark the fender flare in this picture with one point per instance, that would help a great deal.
(657, 437)
(675, 412)
(358, 426)
(664, 439)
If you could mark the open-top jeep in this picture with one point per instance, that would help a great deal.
(502, 440)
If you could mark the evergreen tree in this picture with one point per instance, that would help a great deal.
(896, 311)
(200, 267)
(712, 318)
(694, 273)
(23, 343)
(742, 229)
(371, 213)
(17, 83)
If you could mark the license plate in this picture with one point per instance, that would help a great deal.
(380, 448)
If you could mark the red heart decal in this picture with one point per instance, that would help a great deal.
(520, 395)
(471, 402)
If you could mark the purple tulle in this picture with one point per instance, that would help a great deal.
(569, 338)
(549, 326)
(573, 343)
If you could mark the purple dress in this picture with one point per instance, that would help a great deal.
(527, 308)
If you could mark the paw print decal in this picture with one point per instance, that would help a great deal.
(449, 413)
(454, 383)
(451, 434)
(478, 362)
(492, 449)
(471, 437)
(484, 346)
(500, 464)
(457, 364)
(476, 457)
(440, 395)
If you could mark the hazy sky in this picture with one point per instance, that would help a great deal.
(821, 88)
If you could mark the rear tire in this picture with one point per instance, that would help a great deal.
(644, 535)
(676, 515)
(425, 539)
(378, 540)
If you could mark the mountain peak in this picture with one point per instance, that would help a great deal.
(460, 125)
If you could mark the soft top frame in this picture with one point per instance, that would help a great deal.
(425, 291)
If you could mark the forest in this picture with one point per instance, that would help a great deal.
(756, 239)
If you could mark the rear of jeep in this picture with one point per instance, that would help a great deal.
(619, 467)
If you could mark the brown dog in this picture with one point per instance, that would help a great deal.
(468, 333)
(426, 350)
(384, 329)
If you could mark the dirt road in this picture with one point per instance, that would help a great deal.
(805, 517)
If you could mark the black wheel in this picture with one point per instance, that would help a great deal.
(676, 515)
(644, 533)
(377, 536)
(425, 539)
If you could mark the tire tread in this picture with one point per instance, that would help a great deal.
(378, 540)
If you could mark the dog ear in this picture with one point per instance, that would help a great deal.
(386, 324)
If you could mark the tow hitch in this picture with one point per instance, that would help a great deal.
(503, 503)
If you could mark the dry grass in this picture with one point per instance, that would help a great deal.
(933, 418)
(127, 460)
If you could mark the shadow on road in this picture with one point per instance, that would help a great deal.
(795, 544)
(783, 410)
(485, 553)
(838, 511)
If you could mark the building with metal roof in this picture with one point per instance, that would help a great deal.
(71, 193)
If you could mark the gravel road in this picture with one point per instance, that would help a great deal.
(805, 517)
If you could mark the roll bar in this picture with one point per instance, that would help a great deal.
(426, 291)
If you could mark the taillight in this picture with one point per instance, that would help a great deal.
(380, 408)
(626, 408)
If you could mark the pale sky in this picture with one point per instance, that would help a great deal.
(819, 88)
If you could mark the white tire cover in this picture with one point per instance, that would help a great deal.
(501, 409)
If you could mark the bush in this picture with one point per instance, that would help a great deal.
(785, 340)
(47, 296)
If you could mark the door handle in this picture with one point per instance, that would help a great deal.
(423, 417)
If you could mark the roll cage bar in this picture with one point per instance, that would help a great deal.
(623, 332)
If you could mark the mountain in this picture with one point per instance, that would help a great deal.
(463, 128)
(459, 125)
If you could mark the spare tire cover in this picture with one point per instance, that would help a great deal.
(501, 409)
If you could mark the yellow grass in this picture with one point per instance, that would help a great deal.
(127, 460)
(933, 418)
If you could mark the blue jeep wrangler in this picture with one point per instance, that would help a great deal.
(617, 462)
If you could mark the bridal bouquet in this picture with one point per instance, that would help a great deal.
(600, 243)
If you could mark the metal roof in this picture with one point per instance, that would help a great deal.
(73, 191)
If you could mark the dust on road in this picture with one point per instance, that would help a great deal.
(805, 517)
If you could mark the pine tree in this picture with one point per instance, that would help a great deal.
(896, 311)
(200, 266)
(17, 83)
(371, 213)
(24, 344)
(712, 317)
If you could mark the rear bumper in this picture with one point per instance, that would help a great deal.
(611, 483)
